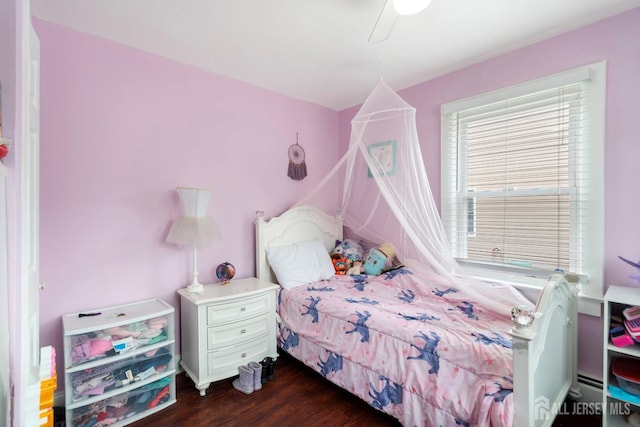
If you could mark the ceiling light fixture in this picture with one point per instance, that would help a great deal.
(410, 7)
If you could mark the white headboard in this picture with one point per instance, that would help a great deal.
(295, 225)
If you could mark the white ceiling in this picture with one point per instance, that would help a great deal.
(317, 50)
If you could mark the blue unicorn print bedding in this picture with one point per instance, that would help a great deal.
(425, 353)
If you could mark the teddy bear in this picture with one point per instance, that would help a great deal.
(349, 249)
(356, 268)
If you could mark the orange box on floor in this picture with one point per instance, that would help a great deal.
(46, 418)
(47, 388)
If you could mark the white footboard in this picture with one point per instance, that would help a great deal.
(545, 356)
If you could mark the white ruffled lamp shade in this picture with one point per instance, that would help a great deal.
(194, 228)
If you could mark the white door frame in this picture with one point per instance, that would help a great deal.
(5, 391)
(24, 240)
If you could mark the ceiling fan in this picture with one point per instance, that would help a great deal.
(389, 14)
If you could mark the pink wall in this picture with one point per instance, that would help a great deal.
(120, 130)
(8, 64)
(614, 40)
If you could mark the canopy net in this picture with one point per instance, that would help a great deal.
(386, 197)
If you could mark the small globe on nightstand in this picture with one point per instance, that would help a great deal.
(225, 272)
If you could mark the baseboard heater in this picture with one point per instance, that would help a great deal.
(591, 388)
(590, 381)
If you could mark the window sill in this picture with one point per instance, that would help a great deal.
(589, 303)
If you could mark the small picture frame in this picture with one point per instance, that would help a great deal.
(383, 153)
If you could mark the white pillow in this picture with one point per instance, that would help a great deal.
(300, 263)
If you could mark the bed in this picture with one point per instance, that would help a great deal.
(423, 353)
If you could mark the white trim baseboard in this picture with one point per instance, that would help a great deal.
(591, 389)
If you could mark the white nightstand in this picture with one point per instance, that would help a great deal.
(224, 327)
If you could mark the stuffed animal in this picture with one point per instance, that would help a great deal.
(339, 264)
(356, 268)
(349, 249)
(379, 259)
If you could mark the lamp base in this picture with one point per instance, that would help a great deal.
(195, 287)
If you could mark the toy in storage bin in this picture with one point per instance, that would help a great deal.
(627, 372)
(123, 406)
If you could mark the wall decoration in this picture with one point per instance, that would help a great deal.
(384, 155)
(297, 166)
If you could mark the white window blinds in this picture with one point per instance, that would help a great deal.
(517, 179)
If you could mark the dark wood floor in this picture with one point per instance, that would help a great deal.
(297, 396)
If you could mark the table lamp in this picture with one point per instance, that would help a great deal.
(194, 228)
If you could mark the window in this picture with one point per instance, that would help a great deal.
(522, 178)
(471, 214)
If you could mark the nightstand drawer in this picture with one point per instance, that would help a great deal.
(224, 363)
(237, 310)
(225, 335)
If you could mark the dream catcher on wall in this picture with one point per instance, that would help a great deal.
(297, 166)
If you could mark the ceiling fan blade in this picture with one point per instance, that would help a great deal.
(385, 23)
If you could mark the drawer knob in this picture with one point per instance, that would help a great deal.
(243, 355)
(243, 331)
(243, 308)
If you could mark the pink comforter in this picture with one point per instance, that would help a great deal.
(424, 353)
